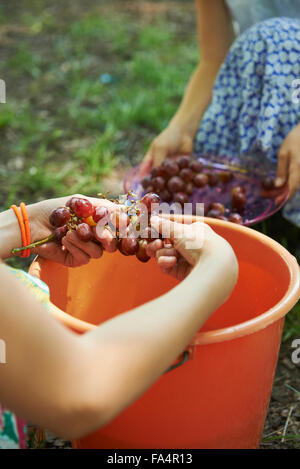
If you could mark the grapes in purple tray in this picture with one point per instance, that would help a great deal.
(187, 174)
(201, 180)
(238, 201)
(268, 183)
(165, 195)
(189, 188)
(236, 218)
(158, 183)
(196, 166)
(213, 213)
(217, 206)
(225, 176)
(212, 179)
(184, 161)
(170, 167)
(146, 182)
(181, 198)
(175, 184)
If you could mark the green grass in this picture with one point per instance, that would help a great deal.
(63, 128)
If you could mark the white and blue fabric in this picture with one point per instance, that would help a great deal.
(252, 109)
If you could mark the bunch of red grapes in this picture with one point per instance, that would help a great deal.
(79, 214)
(175, 181)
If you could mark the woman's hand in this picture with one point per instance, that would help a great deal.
(173, 140)
(288, 168)
(72, 252)
(191, 245)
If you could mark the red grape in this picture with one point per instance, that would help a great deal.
(83, 208)
(175, 184)
(60, 216)
(268, 183)
(201, 180)
(181, 198)
(235, 218)
(238, 200)
(183, 162)
(71, 203)
(217, 206)
(165, 195)
(142, 253)
(150, 189)
(212, 179)
(158, 183)
(225, 176)
(214, 213)
(186, 174)
(154, 172)
(196, 166)
(146, 182)
(129, 246)
(238, 189)
(170, 167)
(102, 213)
(189, 188)
(150, 199)
(60, 232)
(121, 248)
(84, 232)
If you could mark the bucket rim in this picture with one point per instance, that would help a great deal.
(278, 311)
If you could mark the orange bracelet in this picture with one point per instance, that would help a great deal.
(22, 229)
(27, 227)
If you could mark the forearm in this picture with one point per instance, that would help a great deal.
(196, 98)
(73, 384)
(10, 233)
(215, 36)
(141, 344)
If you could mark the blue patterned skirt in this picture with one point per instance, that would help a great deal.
(252, 110)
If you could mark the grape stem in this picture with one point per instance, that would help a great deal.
(33, 245)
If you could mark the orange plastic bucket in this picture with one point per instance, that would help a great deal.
(219, 397)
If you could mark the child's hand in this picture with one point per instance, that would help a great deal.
(173, 140)
(72, 252)
(178, 259)
(288, 169)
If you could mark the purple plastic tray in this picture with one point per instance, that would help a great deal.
(260, 205)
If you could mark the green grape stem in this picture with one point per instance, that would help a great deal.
(33, 245)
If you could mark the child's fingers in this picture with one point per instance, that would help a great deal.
(169, 251)
(153, 247)
(282, 167)
(76, 256)
(167, 262)
(90, 248)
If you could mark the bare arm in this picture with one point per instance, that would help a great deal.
(215, 35)
(74, 384)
